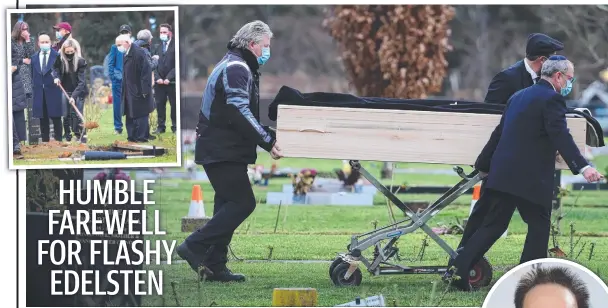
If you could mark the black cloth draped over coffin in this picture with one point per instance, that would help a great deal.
(290, 96)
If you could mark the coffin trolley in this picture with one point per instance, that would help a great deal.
(343, 126)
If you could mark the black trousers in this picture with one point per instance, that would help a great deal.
(234, 201)
(162, 93)
(138, 129)
(16, 141)
(45, 129)
(493, 215)
(72, 122)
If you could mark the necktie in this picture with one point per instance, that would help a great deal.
(44, 60)
(536, 80)
(164, 47)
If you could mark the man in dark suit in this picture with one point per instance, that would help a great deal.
(136, 98)
(519, 162)
(518, 76)
(525, 72)
(47, 97)
(165, 79)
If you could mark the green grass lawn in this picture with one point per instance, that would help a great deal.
(319, 232)
(103, 136)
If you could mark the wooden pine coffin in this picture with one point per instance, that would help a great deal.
(392, 135)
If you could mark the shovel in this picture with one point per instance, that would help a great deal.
(87, 125)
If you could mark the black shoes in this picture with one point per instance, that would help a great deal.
(223, 274)
(196, 261)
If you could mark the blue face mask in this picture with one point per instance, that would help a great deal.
(45, 47)
(58, 35)
(567, 88)
(265, 56)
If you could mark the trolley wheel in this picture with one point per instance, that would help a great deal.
(481, 274)
(337, 276)
(333, 265)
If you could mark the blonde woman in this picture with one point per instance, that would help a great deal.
(71, 71)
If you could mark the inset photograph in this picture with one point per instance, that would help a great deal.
(93, 87)
(548, 283)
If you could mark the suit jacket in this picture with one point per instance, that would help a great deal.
(136, 98)
(520, 155)
(507, 82)
(166, 62)
(45, 88)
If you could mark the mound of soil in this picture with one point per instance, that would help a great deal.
(52, 150)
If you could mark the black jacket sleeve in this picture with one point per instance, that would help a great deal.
(499, 90)
(236, 80)
(146, 72)
(81, 87)
(554, 114)
(485, 157)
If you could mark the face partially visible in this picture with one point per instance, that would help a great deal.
(25, 29)
(44, 40)
(69, 51)
(562, 79)
(550, 296)
(63, 32)
(256, 48)
(165, 31)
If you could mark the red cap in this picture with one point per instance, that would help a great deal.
(63, 25)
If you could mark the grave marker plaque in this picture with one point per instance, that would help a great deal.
(33, 124)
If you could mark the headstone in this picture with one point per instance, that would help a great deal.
(33, 124)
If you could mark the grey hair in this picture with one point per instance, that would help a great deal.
(124, 38)
(144, 35)
(550, 67)
(251, 32)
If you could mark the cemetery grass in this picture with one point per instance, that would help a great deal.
(319, 232)
(102, 138)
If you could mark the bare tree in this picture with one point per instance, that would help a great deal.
(585, 28)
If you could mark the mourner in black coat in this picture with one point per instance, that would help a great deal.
(19, 97)
(136, 100)
(71, 68)
(164, 88)
(522, 74)
(519, 160)
(18, 106)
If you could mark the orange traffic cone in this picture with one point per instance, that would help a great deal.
(197, 207)
(476, 195)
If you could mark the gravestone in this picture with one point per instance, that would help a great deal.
(33, 124)
(38, 283)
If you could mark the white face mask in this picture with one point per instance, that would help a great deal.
(121, 49)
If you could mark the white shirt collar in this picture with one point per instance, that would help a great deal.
(530, 71)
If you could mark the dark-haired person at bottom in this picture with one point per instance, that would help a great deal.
(228, 134)
(519, 164)
(551, 288)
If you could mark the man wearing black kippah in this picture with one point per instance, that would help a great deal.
(520, 75)
(519, 162)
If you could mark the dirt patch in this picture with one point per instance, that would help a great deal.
(91, 125)
(53, 150)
